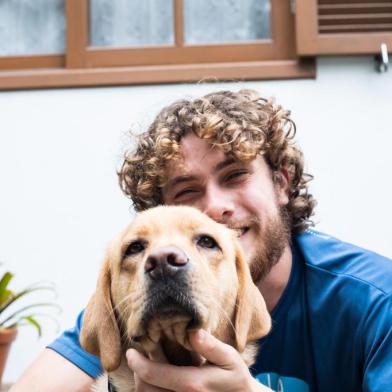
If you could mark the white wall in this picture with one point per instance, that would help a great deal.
(60, 203)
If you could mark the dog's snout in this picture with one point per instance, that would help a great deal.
(166, 261)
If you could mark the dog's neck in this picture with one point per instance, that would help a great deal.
(178, 355)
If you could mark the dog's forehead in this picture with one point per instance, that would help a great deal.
(166, 219)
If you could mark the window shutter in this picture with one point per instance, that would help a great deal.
(333, 27)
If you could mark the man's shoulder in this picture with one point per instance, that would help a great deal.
(326, 255)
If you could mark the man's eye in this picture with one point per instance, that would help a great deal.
(235, 175)
(205, 241)
(184, 192)
(134, 248)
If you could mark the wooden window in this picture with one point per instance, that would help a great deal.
(32, 35)
(343, 26)
(158, 41)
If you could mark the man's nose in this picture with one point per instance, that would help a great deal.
(218, 205)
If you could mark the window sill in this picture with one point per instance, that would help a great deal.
(235, 71)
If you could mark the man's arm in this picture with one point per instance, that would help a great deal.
(50, 372)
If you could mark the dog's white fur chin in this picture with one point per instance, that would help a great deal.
(122, 379)
(101, 384)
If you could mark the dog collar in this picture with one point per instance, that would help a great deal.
(111, 387)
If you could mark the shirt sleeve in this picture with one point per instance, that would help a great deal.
(68, 346)
(378, 347)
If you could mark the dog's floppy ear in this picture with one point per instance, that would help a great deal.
(100, 333)
(252, 320)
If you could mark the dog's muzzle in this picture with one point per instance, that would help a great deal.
(168, 293)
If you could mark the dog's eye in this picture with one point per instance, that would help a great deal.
(134, 248)
(205, 241)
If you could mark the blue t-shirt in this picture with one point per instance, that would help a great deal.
(331, 330)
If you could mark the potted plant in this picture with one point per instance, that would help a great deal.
(12, 316)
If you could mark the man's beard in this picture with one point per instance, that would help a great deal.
(273, 241)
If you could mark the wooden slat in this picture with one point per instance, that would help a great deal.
(306, 27)
(77, 32)
(322, 2)
(340, 4)
(282, 30)
(327, 9)
(253, 51)
(36, 61)
(359, 22)
(179, 22)
(355, 16)
(360, 28)
(157, 74)
(360, 18)
(353, 43)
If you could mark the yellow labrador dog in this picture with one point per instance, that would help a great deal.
(172, 270)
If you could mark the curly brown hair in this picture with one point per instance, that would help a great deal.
(242, 124)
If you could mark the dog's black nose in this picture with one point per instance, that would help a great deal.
(165, 261)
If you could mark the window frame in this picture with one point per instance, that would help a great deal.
(82, 65)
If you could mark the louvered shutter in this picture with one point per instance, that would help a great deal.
(342, 26)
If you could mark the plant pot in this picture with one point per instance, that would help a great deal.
(7, 336)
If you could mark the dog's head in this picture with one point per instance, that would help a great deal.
(172, 270)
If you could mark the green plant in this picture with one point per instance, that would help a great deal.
(11, 315)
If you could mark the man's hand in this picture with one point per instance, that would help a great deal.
(225, 370)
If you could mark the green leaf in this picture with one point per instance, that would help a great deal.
(17, 316)
(22, 293)
(8, 294)
(31, 320)
(3, 286)
(23, 309)
(36, 316)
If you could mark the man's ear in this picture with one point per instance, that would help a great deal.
(252, 320)
(100, 333)
(281, 180)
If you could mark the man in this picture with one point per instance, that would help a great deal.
(232, 155)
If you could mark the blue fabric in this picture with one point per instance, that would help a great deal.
(68, 346)
(332, 328)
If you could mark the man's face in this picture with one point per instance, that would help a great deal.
(240, 195)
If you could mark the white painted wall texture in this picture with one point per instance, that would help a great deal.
(59, 149)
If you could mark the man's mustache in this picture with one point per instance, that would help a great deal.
(247, 222)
